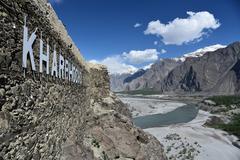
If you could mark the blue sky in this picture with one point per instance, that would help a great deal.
(129, 34)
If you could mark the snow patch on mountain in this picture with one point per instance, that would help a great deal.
(200, 52)
(147, 66)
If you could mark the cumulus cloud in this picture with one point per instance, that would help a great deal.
(139, 57)
(184, 30)
(127, 61)
(115, 65)
(137, 25)
(163, 51)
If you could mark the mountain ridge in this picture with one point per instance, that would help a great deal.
(212, 72)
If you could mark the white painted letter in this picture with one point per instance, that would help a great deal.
(71, 72)
(27, 47)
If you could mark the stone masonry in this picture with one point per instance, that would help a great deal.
(42, 117)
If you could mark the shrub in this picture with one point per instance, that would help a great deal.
(226, 100)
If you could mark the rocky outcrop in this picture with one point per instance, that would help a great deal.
(145, 79)
(189, 81)
(110, 133)
(45, 117)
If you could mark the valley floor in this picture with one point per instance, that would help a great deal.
(190, 140)
(194, 141)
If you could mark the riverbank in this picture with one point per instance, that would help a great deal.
(229, 109)
(193, 140)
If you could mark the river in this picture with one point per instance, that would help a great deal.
(182, 114)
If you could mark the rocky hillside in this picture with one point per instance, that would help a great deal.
(148, 78)
(59, 116)
(215, 72)
(116, 81)
(110, 133)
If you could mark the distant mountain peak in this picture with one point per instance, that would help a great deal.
(200, 52)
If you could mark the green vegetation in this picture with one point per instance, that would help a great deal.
(142, 91)
(104, 156)
(95, 143)
(225, 100)
(233, 127)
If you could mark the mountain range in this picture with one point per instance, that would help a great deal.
(210, 70)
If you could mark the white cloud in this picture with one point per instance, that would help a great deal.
(139, 56)
(115, 65)
(137, 25)
(127, 61)
(155, 42)
(163, 51)
(183, 30)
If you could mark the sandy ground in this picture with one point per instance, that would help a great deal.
(143, 106)
(194, 141)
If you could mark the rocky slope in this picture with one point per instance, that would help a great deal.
(111, 133)
(116, 81)
(215, 72)
(148, 79)
(135, 75)
(44, 117)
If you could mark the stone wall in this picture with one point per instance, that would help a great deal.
(38, 113)
(42, 117)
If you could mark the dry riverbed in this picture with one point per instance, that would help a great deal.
(140, 106)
